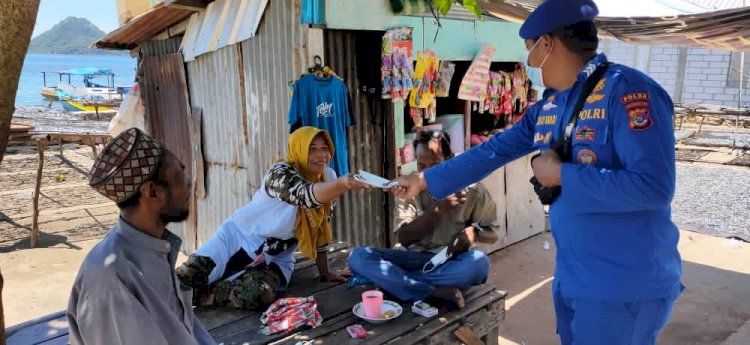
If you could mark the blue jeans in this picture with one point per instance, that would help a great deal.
(590, 322)
(399, 272)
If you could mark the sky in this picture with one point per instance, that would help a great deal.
(103, 13)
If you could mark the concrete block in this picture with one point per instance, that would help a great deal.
(713, 90)
(732, 90)
(699, 51)
(725, 97)
(719, 64)
(693, 78)
(694, 89)
(694, 70)
(658, 69)
(692, 100)
(669, 63)
(697, 64)
(718, 77)
(713, 58)
(713, 83)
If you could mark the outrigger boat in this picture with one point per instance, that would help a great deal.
(81, 98)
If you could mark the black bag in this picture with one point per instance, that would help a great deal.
(547, 195)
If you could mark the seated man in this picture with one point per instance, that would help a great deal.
(126, 291)
(425, 226)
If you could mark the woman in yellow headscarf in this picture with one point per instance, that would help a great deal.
(252, 254)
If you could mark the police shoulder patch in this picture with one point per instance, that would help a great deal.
(637, 107)
(586, 156)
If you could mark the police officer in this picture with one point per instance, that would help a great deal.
(618, 269)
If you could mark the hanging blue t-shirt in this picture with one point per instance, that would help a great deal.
(324, 103)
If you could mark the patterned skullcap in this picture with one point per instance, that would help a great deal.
(125, 164)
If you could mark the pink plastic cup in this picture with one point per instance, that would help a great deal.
(372, 300)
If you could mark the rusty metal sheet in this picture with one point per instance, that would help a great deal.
(360, 218)
(270, 59)
(160, 47)
(727, 28)
(242, 91)
(143, 27)
(165, 99)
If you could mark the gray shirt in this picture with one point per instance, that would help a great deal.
(126, 292)
(479, 208)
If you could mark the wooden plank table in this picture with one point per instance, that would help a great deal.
(478, 321)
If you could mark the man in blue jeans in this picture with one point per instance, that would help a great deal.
(425, 226)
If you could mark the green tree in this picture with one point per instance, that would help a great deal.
(444, 6)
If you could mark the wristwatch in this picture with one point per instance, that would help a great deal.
(476, 227)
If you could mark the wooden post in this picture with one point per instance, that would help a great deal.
(41, 145)
(492, 338)
(467, 125)
(93, 148)
(703, 118)
(60, 142)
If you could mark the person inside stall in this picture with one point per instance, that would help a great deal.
(425, 226)
(251, 255)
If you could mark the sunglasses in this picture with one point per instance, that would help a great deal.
(432, 134)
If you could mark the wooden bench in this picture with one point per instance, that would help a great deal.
(479, 319)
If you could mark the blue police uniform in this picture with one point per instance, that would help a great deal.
(618, 269)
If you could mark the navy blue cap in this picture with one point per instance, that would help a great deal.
(555, 14)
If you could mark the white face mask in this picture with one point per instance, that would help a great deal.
(533, 72)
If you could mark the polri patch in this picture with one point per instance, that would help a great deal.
(637, 107)
(585, 133)
(586, 156)
(596, 94)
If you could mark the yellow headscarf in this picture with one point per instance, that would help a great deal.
(311, 228)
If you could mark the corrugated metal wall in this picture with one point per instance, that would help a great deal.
(165, 99)
(214, 81)
(360, 217)
(160, 47)
(242, 92)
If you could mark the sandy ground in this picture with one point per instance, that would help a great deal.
(715, 304)
(37, 281)
(69, 209)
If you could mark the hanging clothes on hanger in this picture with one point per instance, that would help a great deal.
(321, 99)
(317, 69)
